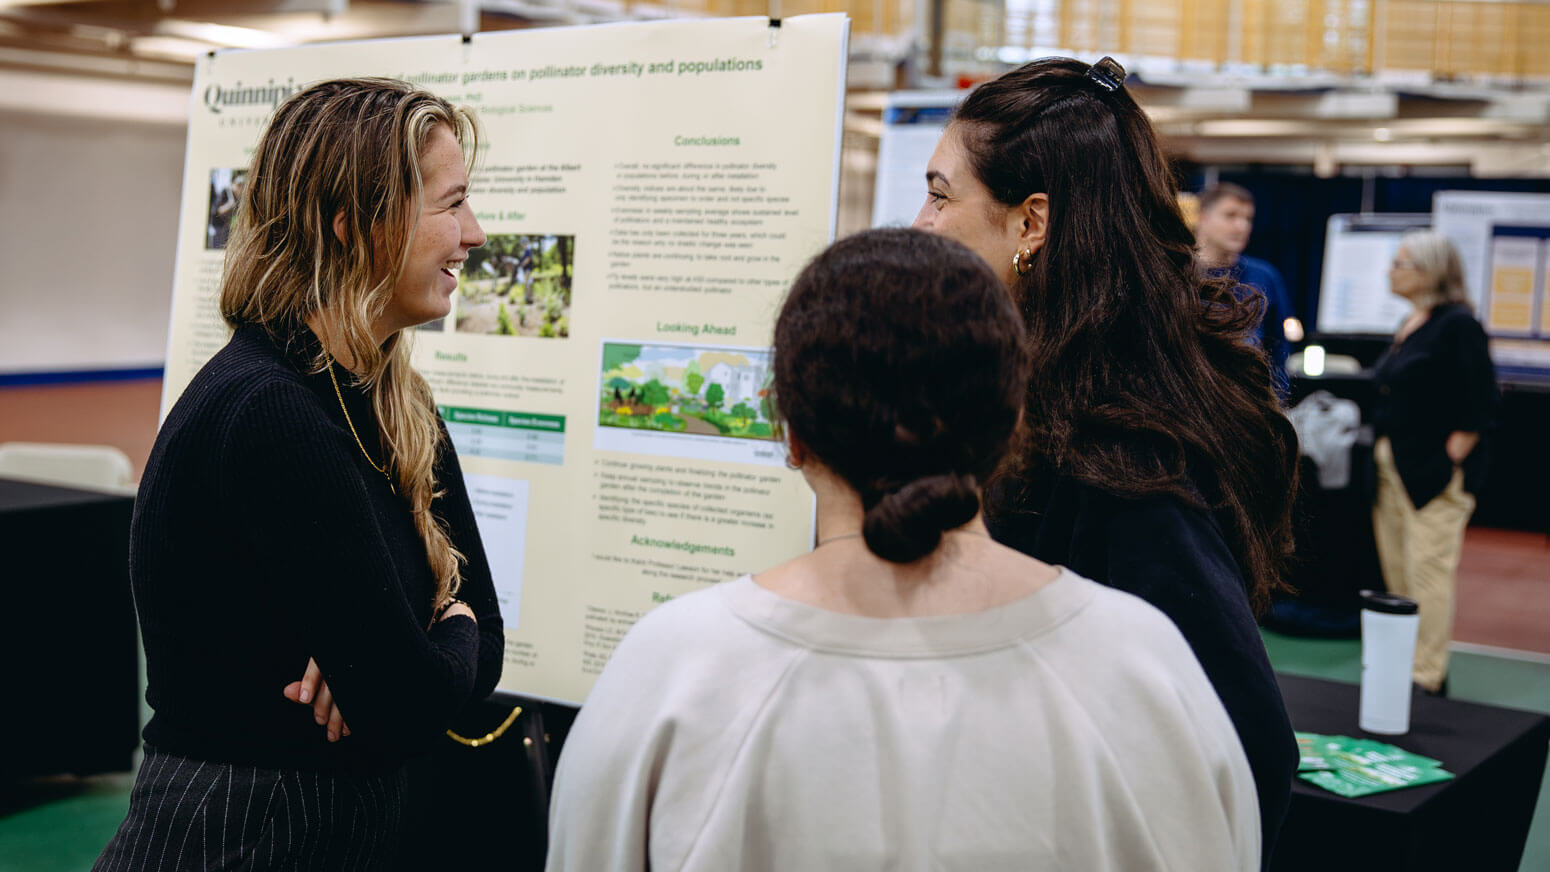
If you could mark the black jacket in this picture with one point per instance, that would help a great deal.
(1437, 381)
(262, 537)
(1175, 557)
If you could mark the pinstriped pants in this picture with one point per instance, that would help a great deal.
(189, 814)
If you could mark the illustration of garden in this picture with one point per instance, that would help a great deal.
(685, 389)
(517, 285)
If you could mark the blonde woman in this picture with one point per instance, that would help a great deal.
(303, 512)
(1437, 396)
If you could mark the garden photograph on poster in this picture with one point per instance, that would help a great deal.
(517, 285)
(687, 389)
(226, 185)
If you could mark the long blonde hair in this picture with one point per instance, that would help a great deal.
(349, 147)
(1436, 257)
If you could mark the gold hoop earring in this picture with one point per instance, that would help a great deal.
(1022, 262)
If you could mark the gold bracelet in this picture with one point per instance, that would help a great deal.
(440, 613)
(492, 735)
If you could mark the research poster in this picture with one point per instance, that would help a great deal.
(1515, 293)
(1500, 239)
(649, 192)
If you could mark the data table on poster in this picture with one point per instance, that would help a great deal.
(499, 435)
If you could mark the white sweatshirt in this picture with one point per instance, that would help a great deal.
(735, 729)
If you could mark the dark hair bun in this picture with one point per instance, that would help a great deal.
(907, 524)
(900, 366)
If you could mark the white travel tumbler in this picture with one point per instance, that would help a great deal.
(1389, 626)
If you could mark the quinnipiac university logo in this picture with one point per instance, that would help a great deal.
(218, 97)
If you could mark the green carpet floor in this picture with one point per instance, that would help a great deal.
(59, 824)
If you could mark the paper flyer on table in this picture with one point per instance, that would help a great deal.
(1361, 767)
(649, 191)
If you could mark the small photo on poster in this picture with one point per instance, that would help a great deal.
(517, 285)
(694, 401)
(226, 186)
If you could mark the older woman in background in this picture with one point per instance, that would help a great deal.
(1437, 395)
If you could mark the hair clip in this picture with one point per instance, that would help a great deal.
(1108, 74)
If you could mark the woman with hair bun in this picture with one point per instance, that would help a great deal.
(910, 695)
(1157, 458)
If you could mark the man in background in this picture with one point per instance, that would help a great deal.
(1225, 222)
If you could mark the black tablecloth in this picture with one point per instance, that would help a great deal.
(1478, 821)
(1336, 554)
(69, 646)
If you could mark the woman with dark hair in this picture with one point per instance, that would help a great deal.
(1156, 458)
(910, 694)
(1437, 397)
(303, 513)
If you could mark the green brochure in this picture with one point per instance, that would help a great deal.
(1310, 758)
(1359, 767)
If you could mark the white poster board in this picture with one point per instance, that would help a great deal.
(1501, 239)
(1354, 294)
(912, 123)
(649, 191)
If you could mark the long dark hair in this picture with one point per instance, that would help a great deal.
(899, 363)
(1144, 380)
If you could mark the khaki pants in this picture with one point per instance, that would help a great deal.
(1419, 551)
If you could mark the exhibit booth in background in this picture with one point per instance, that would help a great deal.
(1292, 227)
(1502, 241)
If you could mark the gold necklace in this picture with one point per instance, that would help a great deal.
(492, 735)
(364, 453)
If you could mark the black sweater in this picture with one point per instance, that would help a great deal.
(1439, 380)
(1176, 558)
(261, 538)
